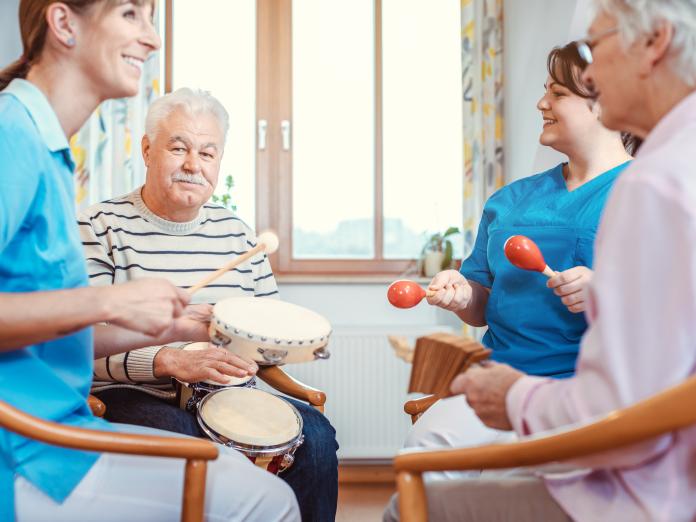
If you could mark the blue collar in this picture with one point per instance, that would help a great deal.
(41, 113)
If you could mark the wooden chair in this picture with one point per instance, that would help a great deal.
(98, 407)
(417, 407)
(668, 411)
(196, 452)
(275, 377)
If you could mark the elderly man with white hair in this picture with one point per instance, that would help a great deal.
(641, 60)
(167, 228)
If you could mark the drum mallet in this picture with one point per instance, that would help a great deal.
(266, 241)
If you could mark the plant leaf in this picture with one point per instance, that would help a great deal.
(447, 261)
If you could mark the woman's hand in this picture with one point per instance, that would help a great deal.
(191, 325)
(452, 291)
(570, 285)
(145, 305)
(485, 388)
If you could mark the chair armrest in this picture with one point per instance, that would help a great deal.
(196, 451)
(92, 440)
(663, 413)
(98, 407)
(417, 407)
(281, 381)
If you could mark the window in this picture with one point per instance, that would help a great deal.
(346, 121)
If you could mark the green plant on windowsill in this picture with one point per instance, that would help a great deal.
(225, 199)
(437, 252)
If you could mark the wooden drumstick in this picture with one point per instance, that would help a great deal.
(267, 241)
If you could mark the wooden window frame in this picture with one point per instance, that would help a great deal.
(274, 165)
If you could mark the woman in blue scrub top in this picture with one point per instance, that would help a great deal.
(78, 53)
(534, 324)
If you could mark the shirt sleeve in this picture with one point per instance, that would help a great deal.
(20, 173)
(475, 267)
(264, 280)
(640, 340)
(136, 366)
(100, 265)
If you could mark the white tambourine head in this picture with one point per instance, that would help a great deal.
(270, 239)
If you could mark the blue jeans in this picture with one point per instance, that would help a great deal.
(313, 477)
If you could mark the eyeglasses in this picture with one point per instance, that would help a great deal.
(585, 46)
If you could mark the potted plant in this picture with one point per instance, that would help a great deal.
(437, 252)
(226, 198)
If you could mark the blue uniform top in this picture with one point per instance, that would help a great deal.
(528, 326)
(40, 249)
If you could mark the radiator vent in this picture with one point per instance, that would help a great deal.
(365, 384)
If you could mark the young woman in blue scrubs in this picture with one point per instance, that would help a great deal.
(534, 324)
(78, 53)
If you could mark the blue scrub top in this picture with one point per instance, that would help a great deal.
(40, 249)
(528, 326)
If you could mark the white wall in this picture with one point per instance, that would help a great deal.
(532, 28)
(10, 41)
(361, 304)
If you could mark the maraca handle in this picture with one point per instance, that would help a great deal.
(430, 293)
(548, 272)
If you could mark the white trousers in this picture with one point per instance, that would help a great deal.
(460, 496)
(451, 423)
(149, 489)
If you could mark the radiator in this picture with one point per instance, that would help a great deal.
(365, 385)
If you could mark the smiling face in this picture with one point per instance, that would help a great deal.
(568, 118)
(183, 162)
(112, 46)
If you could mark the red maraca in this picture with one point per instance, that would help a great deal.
(406, 294)
(523, 253)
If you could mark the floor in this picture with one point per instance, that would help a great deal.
(362, 502)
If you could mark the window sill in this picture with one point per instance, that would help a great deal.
(292, 279)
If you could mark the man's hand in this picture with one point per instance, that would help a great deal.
(486, 388)
(146, 305)
(192, 325)
(452, 291)
(570, 285)
(211, 363)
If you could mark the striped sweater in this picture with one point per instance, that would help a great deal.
(123, 240)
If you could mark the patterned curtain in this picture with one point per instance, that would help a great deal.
(482, 83)
(107, 148)
(482, 80)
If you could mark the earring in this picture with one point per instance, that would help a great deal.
(70, 42)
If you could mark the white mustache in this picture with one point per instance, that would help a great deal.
(197, 179)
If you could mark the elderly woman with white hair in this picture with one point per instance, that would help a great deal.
(641, 61)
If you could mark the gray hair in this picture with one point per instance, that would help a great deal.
(194, 101)
(640, 17)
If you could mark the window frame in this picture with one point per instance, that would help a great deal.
(274, 165)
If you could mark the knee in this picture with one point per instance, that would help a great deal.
(425, 435)
(238, 490)
(280, 505)
(320, 438)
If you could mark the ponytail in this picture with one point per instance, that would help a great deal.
(17, 69)
(631, 143)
